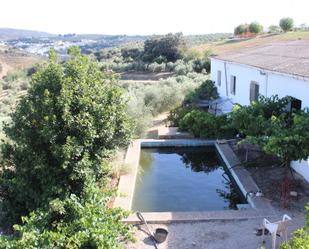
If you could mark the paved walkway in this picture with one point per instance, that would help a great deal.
(239, 234)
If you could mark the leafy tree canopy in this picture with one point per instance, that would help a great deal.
(255, 28)
(240, 29)
(206, 91)
(164, 48)
(276, 130)
(61, 134)
(286, 23)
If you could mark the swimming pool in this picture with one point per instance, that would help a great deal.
(183, 179)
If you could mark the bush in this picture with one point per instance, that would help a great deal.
(62, 134)
(206, 91)
(15, 75)
(24, 85)
(192, 54)
(182, 68)
(200, 65)
(156, 67)
(205, 125)
(71, 223)
(170, 66)
(286, 24)
(176, 115)
(250, 120)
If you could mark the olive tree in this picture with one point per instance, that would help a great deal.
(274, 29)
(165, 48)
(286, 24)
(61, 135)
(255, 28)
(240, 29)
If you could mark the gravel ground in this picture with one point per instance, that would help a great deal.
(237, 234)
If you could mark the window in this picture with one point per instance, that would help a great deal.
(219, 78)
(254, 91)
(233, 84)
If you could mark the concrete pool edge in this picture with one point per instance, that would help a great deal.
(260, 206)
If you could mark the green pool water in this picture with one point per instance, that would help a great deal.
(183, 179)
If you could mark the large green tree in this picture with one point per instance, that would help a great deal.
(278, 131)
(240, 29)
(61, 135)
(164, 48)
(286, 24)
(255, 28)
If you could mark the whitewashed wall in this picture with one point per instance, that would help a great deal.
(270, 84)
(285, 85)
(244, 76)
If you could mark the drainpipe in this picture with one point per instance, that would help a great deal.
(266, 85)
(226, 88)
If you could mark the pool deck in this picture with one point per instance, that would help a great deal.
(260, 207)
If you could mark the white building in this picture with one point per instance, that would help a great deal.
(277, 68)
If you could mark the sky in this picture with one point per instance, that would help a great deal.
(146, 17)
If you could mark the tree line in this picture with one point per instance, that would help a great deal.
(285, 24)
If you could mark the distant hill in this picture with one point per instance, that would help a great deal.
(9, 34)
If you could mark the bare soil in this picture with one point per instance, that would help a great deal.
(137, 76)
(269, 173)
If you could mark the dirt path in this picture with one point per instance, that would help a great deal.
(159, 121)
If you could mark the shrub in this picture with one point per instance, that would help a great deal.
(205, 125)
(15, 75)
(182, 68)
(71, 223)
(62, 134)
(206, 91)
(286, 24)
(192, 54)
(156, 67)
(251, 120)
(6, 85)
(170, 66)
(176, 115)
(274, 29)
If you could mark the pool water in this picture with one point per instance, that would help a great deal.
(183, 179)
